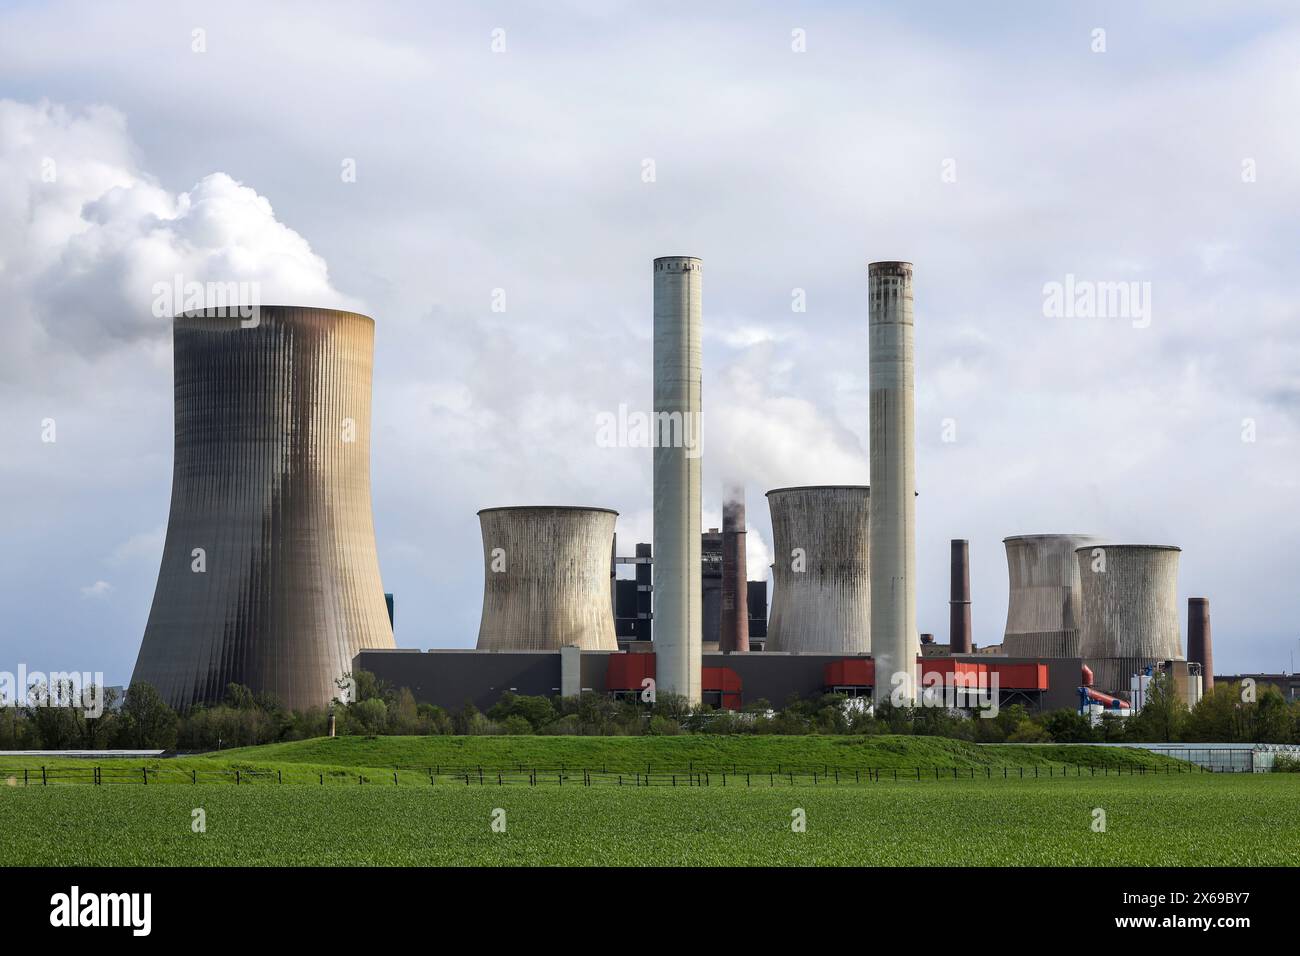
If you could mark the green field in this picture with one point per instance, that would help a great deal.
(373, 801)
(1179, 820)
(375, 758)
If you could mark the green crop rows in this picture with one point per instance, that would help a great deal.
(1192, 819)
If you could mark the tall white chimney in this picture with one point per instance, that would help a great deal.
(677, 567)
(894, 642)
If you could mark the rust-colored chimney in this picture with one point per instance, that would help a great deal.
(959, 637)
(1199, 646)
(735, 589)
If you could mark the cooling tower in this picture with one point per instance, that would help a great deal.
(1130, 610)
(546, 579)
(735, 583)
(677, 586)
(1043, 609)
(821, 599)
(893, 479)
(1200, 647)
(959, 635)
(269, 575)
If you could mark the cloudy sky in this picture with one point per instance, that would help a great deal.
(791, 144)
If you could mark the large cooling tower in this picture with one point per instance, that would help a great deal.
(894, 641)
(1043, 609)
(1130, 610)
(546, 579)
(821, 597)
(678, 618)
(269, 574)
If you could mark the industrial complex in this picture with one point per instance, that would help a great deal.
(270, 578)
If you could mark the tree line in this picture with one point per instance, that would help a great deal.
(1231, 713)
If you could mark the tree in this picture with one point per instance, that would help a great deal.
(146, 720)
(1069, 727)
(1162, 715)
(538, 711)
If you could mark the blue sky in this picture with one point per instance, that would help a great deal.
(521, 170)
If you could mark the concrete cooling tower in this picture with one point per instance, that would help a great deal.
(269, 575)
(1043, 609)
(822, 576)
(546, 579)
(1130, 611)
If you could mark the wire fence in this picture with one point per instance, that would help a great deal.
(561, 776)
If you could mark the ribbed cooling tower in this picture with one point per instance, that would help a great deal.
(1043, 610)
(1200, 646)
(269, 574)
(677, 586)
(894, 641)
(546, 579)
(826, 607)
(735, 583)
(1130, 611)
(959, 636)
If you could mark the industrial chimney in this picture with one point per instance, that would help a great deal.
(735, 582)
(1200, 648)
(1130, 610)
(546, 579)
(269, 575)
(821, 596)
(677, 586)
(894, 643)
(959, 637)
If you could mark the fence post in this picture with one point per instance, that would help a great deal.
(44, 781)
(279, 774)
(145, 772)
(236, 778)
(194, 776)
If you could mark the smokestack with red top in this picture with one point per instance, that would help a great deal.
(959, 637)
(1199, 645)
(735, 587)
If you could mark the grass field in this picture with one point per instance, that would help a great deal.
(1187, 819)
(374, 758)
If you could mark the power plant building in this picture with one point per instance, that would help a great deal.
(546, 578)
(822, 573)
(269, 573)
(1130, 611)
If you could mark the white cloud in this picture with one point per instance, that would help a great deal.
(88, 239)
(97, 591)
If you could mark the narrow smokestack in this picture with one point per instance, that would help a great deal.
(735, 586)
(893, 481)
(959, 639)
(677, 584)
(1200, 647)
